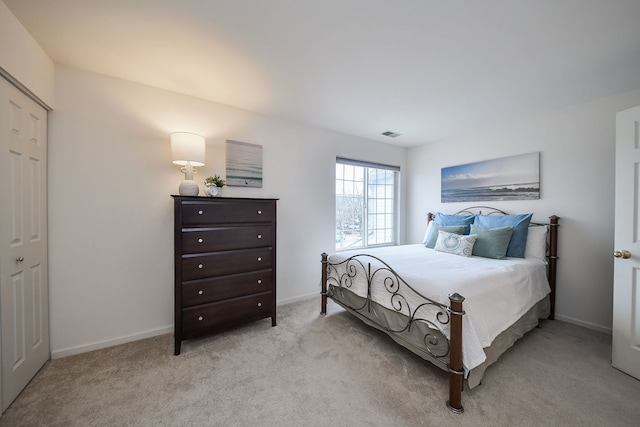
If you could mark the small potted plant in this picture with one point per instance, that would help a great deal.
(213, 185)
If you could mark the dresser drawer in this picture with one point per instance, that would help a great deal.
(208, 316)
(194, 212)
(224, 263)
(215, 289)
(198, 240)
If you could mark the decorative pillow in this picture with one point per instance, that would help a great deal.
(457, 244)
(444, 219)
(520, 224)
(435, 228)
(491, 243)
(537, 243)
(426, 233)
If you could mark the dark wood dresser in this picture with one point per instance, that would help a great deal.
(225, 264)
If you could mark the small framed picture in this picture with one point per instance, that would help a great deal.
(244, 164)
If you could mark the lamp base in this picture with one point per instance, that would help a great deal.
(188, 187)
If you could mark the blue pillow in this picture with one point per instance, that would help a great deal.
(444, 219)
(433, 233)
(520, 224)
(491, 243)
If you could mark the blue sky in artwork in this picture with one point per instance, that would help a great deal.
(505, 171)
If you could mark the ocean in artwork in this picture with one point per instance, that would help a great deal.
(526, 191)
(508, 178)
(244, 164)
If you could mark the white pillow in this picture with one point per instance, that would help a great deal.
(426, 233)
(456, 244)
(537, 243)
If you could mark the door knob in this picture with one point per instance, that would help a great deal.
(624, 254)
(20, 259)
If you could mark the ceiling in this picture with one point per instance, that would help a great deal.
(427, 69)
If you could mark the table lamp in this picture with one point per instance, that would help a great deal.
(188, 150)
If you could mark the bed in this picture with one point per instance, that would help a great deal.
(458, 311)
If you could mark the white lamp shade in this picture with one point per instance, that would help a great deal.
(187, 147)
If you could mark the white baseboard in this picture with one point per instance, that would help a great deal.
(57, 354)
(582, 323)
(300, 298)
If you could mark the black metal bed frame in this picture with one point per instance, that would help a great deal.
(339, 276)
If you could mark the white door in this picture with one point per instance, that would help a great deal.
(24, 296)
(626, 287)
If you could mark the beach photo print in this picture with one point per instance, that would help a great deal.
(244, 164)
(508, 178)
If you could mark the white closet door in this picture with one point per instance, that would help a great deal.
(24, 297)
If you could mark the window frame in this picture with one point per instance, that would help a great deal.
(366, 202)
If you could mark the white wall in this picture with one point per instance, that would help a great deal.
(23, 60)
(577, 147)
(111, 214)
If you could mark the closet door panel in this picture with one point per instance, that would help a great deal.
(23, 241)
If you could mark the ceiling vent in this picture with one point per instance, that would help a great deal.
(391, 134)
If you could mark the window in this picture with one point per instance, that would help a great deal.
(365, 204)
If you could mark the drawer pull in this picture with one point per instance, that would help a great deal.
(259, 236)
(200, 265)
(259, 212)
(259, 259)
(200, 292)
(200, 318)
(200, 240)
(259, 281)
(200, 212)
(259, 304)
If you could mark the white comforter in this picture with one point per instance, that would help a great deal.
(496, 292)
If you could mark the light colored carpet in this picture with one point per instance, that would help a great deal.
(332, 370)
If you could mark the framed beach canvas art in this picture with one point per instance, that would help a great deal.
(244, 164)
(508, 178)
